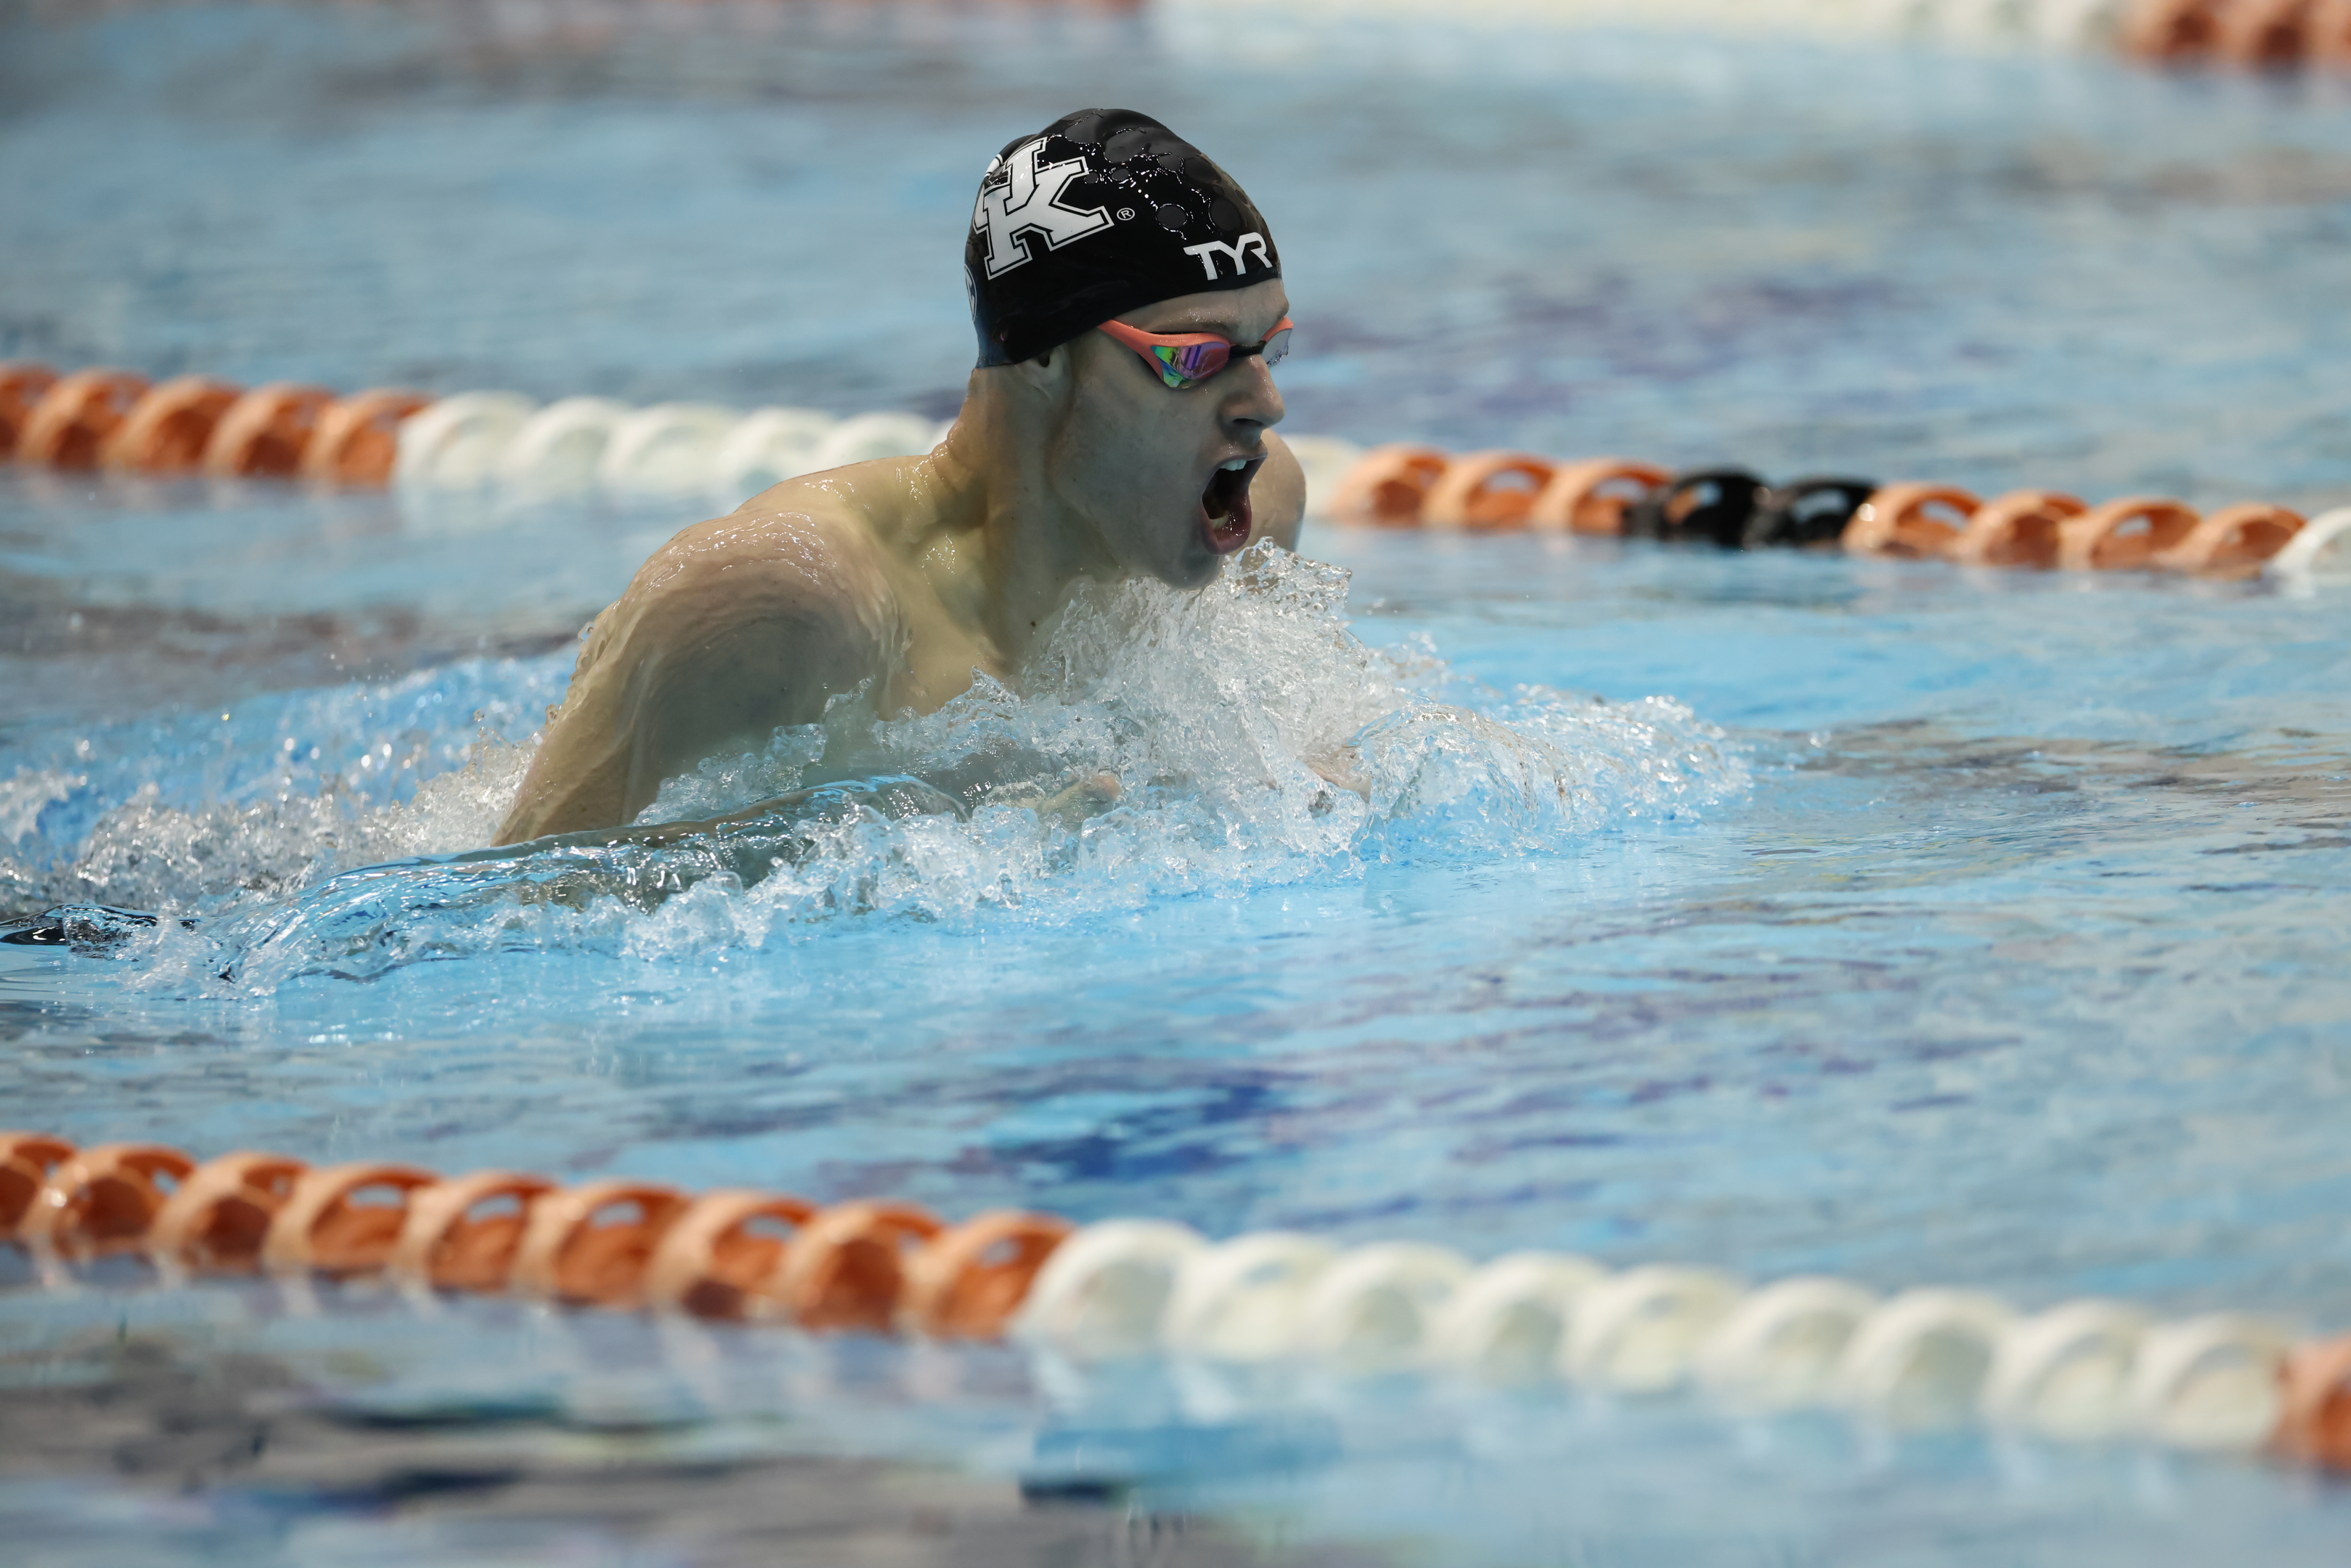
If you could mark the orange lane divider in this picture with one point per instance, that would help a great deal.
(119, 421)
(266, 432)
(847, 1266)
(100, 1201)
(166, 429)
(871, 1265)
(356, 437)
(2251, 35)
(218, 1220)
(70, 423)
(26, 1161)
(2233, 541)
(1591, 497)
(342, 1221)
(2018, 529)
(967, 1283)
(885, 1267)
(714, 1260)
(462, 1234)
(1913, 522)
(2104, 539)
(1389, 486)
(1486, 490)
(22, 386)
(589, 1245)
(2314, 1427)
(1403, 487)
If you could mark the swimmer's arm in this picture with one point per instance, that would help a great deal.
(1277, 495)
(727, 690)
(720, 642)
(1337, 766)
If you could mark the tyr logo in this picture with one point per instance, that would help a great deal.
(1021, 194)
(1239, 250)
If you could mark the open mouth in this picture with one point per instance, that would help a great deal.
(1225, 513)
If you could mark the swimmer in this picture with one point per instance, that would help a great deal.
(1129, 304)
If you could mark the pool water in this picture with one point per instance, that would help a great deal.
(1784, 914)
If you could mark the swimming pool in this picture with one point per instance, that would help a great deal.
(1944, 929)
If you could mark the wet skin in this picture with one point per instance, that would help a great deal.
(913, 573)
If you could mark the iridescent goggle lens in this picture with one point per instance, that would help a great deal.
(1181, 366)
(1188, 358)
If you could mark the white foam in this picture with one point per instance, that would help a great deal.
(143, 853)
(1255, 740)
(32, 791)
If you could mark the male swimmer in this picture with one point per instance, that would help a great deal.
(1130, 309)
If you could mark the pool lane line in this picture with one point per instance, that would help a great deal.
(2272, 36)
(2269, 35)
(109, 418)
(118, 419)
(2084, 1371)
(1409, 485)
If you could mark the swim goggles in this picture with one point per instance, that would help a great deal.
(1186, 358)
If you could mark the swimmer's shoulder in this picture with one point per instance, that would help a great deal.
(733, 628)
(894, 507)
(797, 544)
(861, 556)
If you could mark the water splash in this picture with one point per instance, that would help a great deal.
(31, 792)
(1162, 745)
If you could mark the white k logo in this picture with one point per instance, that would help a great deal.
(1022, 195)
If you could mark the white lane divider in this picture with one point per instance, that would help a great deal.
(1237, 1318)
(2066, 1374)
(1920, 1360)
(768, 446)
(556, 450)
(1778, 1349)
(2084, 1371)
(1374, 1311)
(2321, 547)
(2211, 1383)
(1326, 460)
(1506, 1322)
(478, 439)
(1240, 1301)
(862, 437)
(1639, 1331)
(456, 443)
(1103, 1292)
(668, 449)
(2095, 25)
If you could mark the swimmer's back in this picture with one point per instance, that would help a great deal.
(733, 629)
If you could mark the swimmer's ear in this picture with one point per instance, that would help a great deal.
(1049, 371)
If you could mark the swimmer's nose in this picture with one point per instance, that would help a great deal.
(1253, 400)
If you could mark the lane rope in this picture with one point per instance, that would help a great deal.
(117, 420)
(2083, 1371)
(1409, 485)
(2267, 35)
(2248, 34)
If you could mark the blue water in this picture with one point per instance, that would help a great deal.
(1928, 927)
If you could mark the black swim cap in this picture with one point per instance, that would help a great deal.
(1102, 212)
